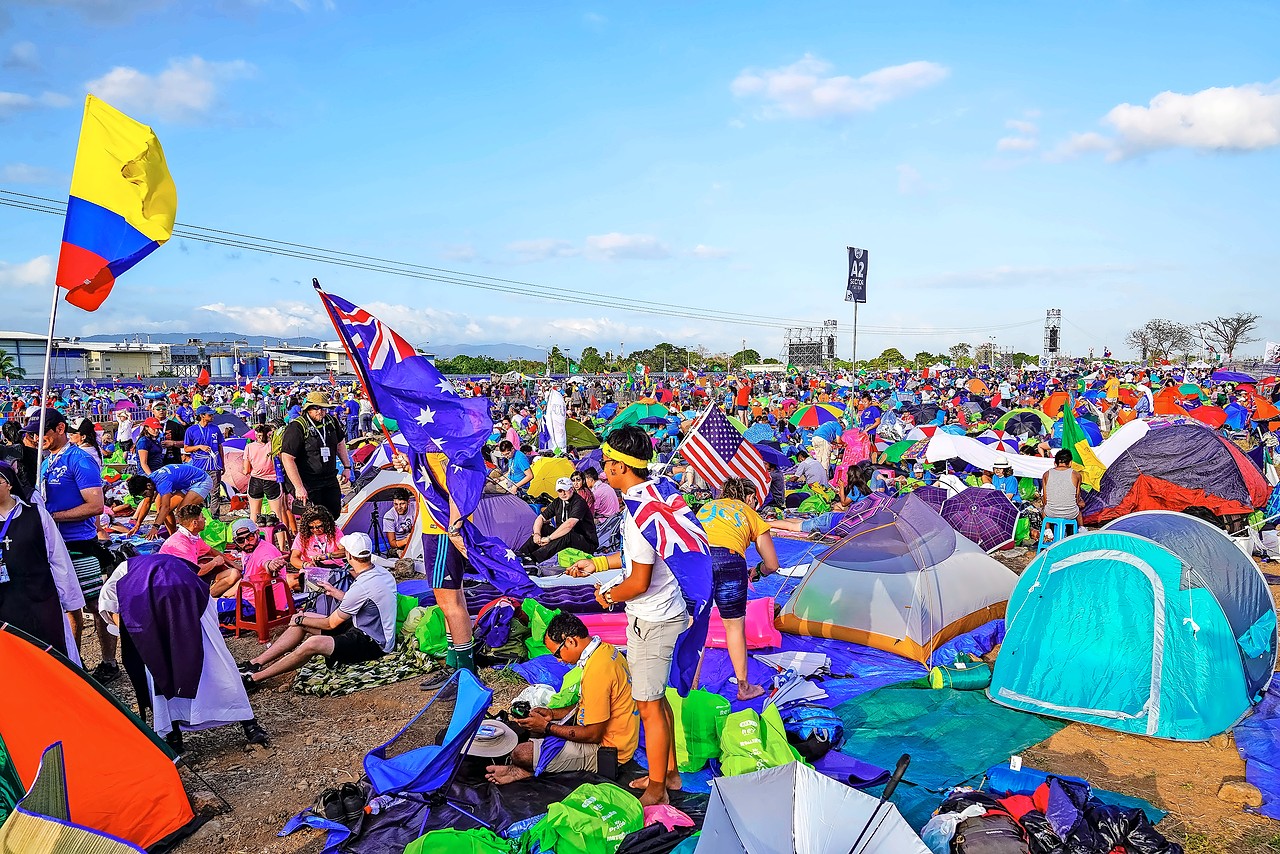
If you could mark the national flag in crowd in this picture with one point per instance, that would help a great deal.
(122, 205)
(717, 451)
(1075, 441)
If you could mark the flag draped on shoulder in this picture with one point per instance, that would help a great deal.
(669, 525)
(444, 431)
(122, 204)
(1074, 440)
(717, 451)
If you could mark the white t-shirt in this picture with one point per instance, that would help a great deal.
(371, 602)
(663, 600)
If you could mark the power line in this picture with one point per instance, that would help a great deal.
(514, 287)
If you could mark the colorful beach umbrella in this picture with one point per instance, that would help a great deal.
(999, 440)
(815, 415)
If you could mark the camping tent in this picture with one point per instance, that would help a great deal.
(1157, 625)
(1177, 468)
(903, 581)
(120, 776)
(793, 809)
(504, 517)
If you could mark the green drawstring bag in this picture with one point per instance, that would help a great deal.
(593, 819)
(481, 840)
(539, 617)
(1022, 530)
(752, 742)
(1027, 488)
(814, 504)
(216, 532)
(404, 604)
(569, 691)
(430, 633)
(568, 557)
(699, 722)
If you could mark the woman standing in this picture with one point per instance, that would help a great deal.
(732, 525)
(38, 584)
(86, 436)
(260, 465)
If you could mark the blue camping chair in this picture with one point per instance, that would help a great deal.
(424, 774)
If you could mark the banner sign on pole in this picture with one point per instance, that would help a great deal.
(857, 289)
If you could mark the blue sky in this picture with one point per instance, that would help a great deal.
(1116, 160)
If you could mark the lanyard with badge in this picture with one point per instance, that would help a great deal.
(4, 545)
(321, 431)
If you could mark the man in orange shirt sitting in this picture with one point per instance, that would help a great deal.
(605, 719)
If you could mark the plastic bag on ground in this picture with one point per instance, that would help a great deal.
(939, 830)
(699, 722)
(593, 819)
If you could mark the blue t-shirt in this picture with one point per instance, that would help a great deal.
(154, 452)
(353, 407)
(1008, 484)
(870, 415)
(517, 467)
(211, 436)
(177, 478)
(64, 476)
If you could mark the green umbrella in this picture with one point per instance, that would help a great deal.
(894, 452)
(580, 435)
(1192, 388)
(738, 425)
(876, 385)
(633, 413)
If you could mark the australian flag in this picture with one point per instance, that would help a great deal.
(434, 420)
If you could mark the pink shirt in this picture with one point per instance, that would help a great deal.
(606, 503)
(255, 561)
(317, 545)
(261, 465)
(186, 545)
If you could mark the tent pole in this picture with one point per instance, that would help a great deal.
(44, 385)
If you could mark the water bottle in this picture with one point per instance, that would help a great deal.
(378, 804)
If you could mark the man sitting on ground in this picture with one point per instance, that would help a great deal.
(810, 470)
(606, 716)
(214, 568)
(567, 523)
(519, 470)
(362, 627)
(398, 522)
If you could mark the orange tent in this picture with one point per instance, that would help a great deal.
(977, 386)
(1166, 402)
(1212, 416)
(1053, 404)
(1264, 410)
(121, 777)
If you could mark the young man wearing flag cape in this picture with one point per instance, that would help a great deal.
(666, 560)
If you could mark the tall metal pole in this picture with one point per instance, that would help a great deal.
(44, 385)
(855, 336)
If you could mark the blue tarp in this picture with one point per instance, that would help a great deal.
(1258, 740)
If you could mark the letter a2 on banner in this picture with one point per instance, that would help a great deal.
(857, 290)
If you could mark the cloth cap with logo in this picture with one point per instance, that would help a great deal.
(357, 544)
(241, 526)
(52, 418)
(204, 410)
(153, 423)
(317, 398)
(493, 739)
(564, 484)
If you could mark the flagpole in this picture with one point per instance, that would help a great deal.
(44, 385)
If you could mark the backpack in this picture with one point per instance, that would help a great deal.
(812, 730)
(277, 438)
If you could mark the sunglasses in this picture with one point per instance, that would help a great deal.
(556, 652)
(243, 536)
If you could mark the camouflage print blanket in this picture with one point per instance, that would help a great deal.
(404, 662)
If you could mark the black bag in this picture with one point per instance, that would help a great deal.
(993, 833)
(1041, 837)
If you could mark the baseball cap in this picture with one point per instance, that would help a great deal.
(153, 423)
(243, 525)
(563, 483)
(52, 418)
(204, 410)
(357, 545)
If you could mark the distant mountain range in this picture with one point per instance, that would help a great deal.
(502, 352)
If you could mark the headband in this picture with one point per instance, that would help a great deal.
(634, 462)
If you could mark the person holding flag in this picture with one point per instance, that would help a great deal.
(666, 560)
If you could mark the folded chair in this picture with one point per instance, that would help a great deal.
(424, 774)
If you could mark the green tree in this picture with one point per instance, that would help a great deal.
(9, 369)
(890, 358)
(924, 359)
(960, 355)
(746, 357)
(591, 361)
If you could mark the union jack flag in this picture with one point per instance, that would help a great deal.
(379, 341)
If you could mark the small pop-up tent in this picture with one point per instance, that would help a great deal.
(903, 581)
(792, 809)
(1156, 625)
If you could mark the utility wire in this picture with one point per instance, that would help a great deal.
(514, 287)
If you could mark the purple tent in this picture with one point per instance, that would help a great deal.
(591, 459)
(986, 516)
(504, 517)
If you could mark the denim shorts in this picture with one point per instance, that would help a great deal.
(729, 582)
(203, 488)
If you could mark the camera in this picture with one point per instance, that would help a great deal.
(521, 709)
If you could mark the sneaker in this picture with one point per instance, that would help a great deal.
(438, 680)
(174, 740)
(249, 684)
(249, 667)
(329, 805)
(353, 800)
(107, 671)
(254, 733)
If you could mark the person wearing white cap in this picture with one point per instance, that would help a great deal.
(568, 524)
(362, 627)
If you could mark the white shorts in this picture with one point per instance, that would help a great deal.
(650, 649)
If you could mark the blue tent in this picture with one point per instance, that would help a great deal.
(1156, 625)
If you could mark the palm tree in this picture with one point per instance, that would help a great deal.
(9, 369)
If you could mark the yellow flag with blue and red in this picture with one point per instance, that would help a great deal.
(122, 205)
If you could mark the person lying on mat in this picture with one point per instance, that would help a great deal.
(605, 717)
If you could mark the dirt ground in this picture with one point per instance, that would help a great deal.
(319, 742)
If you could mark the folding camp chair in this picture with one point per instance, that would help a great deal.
(425, 774)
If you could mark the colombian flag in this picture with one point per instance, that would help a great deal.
(122, 205)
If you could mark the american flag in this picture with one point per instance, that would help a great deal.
(717, 451)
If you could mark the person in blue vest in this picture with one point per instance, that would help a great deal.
(202, 443)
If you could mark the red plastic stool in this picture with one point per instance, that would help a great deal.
(267, 615)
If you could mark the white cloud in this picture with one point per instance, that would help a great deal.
(12, 103)
(285, 319)
(37, 271)
(25, 173)
(617, 247)
(807, 89)
(541, 249)
(24, 56)
(1022, 126)
(1226, 118)
(1016, 143)
(185, 91)
(709, 253)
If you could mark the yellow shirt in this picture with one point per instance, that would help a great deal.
(606, 696)
(1112, 388)
(731, 524)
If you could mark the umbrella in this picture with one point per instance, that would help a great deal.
(607, 411)
(893, 453)
(546, 470)
(977, 386)
(737, 425)
(579, 435)
(124, 403)
(237, 423)
(878, 385)
(775, 457)
(652, 421)
(934, 496)
(986, 516)
(1190, 390)
(815, 414)
(918, 433)
(1210, 416)
(1054, 403)
(1025, 422)
(999, 441)
(665, 395)
(1231, 377)
(916, 451)
(640, 409)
